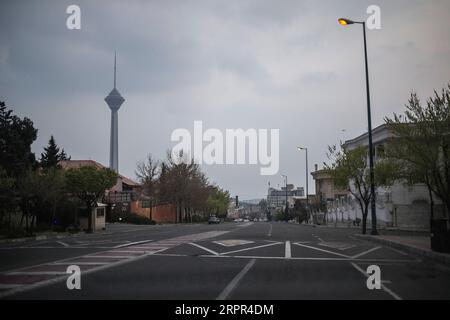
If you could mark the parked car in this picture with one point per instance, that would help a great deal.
(213, 219)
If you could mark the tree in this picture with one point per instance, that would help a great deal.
(89, 185)
(421, 145)
(52, 155)
(148, 172)
(7, 202)
(349, 171)
(30, 188)
(218, 202)
(55, 190)
(16, 137)
(300, 211)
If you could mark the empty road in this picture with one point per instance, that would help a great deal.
(257, 261)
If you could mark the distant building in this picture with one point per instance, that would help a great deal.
(276, 198)
(325, 189)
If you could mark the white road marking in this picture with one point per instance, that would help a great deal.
(365, 252)
(131, 243)
(101, 265)
(204, 248)
(336, 245)
(246, 224)
(381, 261)
(232, 242)
(257, 247)
(10, 286)
(156, 251)
(287, 250)
(233, 284)
(322, 250)
(80, 263)
(129, 251)
(36, 273)
(62, 243)
(107, 257)
(386, 289)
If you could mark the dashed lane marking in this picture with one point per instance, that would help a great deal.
(287, 250)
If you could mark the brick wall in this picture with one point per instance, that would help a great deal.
(160, 214)
(135, 207)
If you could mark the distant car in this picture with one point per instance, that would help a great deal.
(238, 220)
(213, 219)
(246, 220)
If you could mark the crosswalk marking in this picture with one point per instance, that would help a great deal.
(121, 254)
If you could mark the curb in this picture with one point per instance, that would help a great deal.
(38, 237)
(430, 255)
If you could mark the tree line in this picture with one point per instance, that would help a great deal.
(42, 194)
(179, 181)
(38, 190)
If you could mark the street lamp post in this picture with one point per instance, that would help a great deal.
(345, 22)
(306, 177)
(285, 189)
(307, 193)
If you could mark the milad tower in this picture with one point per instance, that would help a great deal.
(114, 101)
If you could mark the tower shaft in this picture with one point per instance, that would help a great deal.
(114, 142)
(114, 100)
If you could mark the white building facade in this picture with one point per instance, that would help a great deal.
(398, 206)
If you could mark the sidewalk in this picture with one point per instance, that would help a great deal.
(40, 236)
(416, 245)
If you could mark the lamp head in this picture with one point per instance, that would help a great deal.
(344, 22)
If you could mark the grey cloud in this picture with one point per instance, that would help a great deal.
(250, 64)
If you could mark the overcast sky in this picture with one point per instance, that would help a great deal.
(281, 64)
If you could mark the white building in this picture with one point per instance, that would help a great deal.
(402, 206)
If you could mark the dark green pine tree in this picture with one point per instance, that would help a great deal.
(52, 155)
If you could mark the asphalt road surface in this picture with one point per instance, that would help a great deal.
(257, 261)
